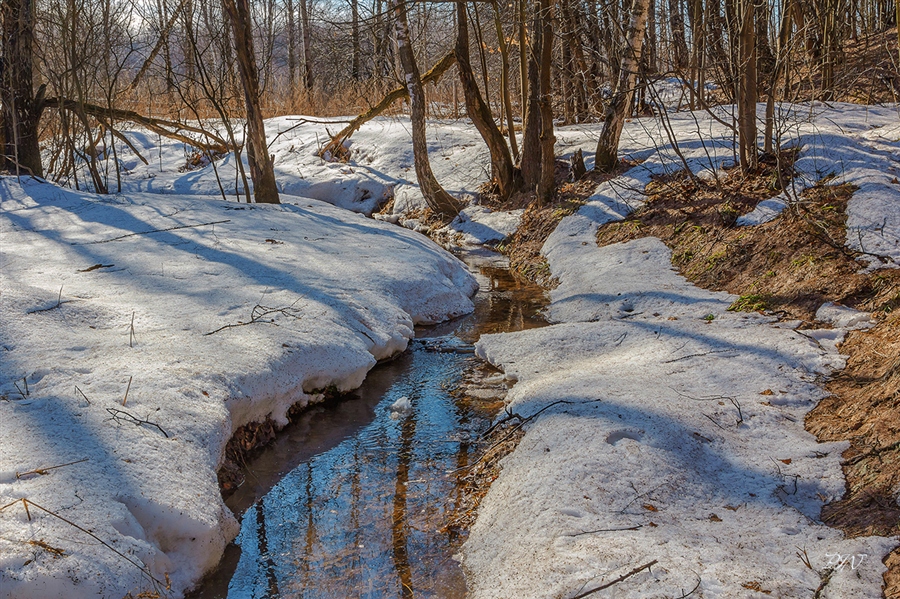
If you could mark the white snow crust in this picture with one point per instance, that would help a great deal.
(328, 292)
(672, 428)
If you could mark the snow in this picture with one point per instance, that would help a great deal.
(672, 428)
(765, 211)
(675, 408)
(210, 314)
(478, 225)
(381, 165)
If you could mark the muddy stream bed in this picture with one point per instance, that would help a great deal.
(352, 499)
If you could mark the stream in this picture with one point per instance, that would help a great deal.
(352, 498)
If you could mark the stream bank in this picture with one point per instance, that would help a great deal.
(371, 494)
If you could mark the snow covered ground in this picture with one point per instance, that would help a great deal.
(696, 446)
(207, 315)
(673, 429)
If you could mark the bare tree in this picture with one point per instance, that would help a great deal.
(502, 170)
(437, 199)
(21, 109)
(608, 145)
(262, 170)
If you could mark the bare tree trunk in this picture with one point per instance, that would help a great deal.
(746, 93)
(502, 170)
(530, 162)
(354, 12)
(504, 81)
(780, 60)
(608, 145)
(307, 45)
(261, 168)
(437, 199)
(21, 109)
(679, 45)
(292, 55)
(547, 184)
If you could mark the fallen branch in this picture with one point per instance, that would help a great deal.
(335, 147)
(260, 314)
(123, 416)
(43, 471)
(170, 129)
(617, 580)
(217, 222)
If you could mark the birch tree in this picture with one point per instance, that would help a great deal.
(617, 110)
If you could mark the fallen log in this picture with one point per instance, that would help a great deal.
(335, 148)
(170, 129)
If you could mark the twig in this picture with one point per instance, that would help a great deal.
(131, 332)
(714, 422)
(59, 302)
(43, 471)
(259, 314)
(127, 389)
(617, 580)
(696, 586)
(217, 222)
(77, 390)
(715, 351)
(123, 416)
(516, 428)
(25, 380)
(590, 532)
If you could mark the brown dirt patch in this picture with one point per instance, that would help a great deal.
(789, 267)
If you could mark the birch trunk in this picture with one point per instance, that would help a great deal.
(608, 146)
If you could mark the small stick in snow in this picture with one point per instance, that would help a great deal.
(127, 389)
(218, 222)
(590, 532)
(79, 391)
(25, 380)
(123, 416)
(131, 334)
(617, 580)
(43, 471)
(59, 303)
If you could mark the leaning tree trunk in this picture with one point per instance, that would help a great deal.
(261, 168)
(608, 146)
(437, 199)
(502, 169)
(20, 110)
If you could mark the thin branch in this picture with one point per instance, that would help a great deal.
(617, 580)
(43, 471)
(123, 416)
(217, 222)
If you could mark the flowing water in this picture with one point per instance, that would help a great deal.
(352, 498)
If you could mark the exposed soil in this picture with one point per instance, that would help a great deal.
(789, 267)
(248, 440)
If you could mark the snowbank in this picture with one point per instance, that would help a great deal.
(673, 429)
(381, 165)
(209, 315)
